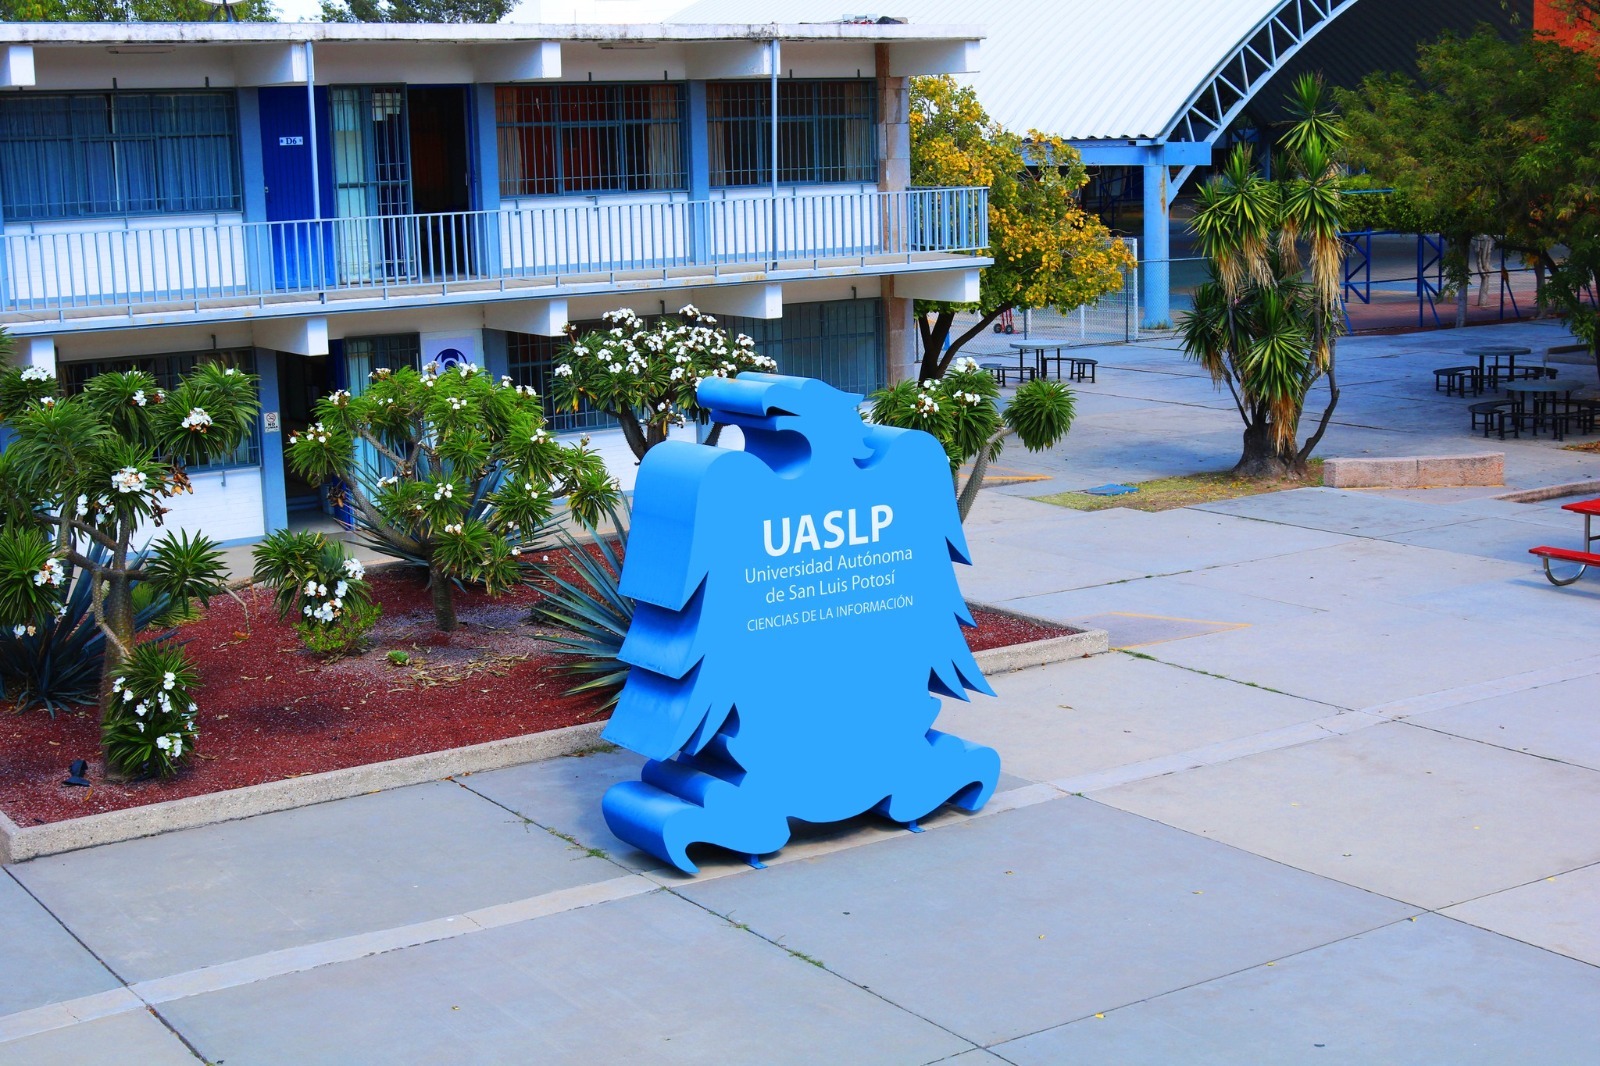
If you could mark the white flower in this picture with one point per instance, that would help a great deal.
(563, 371)
(616, 368)
(169, 680)
(141, 708)
(197, 420)
(963, 365)
(127, 695)
(116, 684)
(306, 610)
(83, 506)
(341, 588)
(164, 742)
(138, 398)
(229, 372)
(311, 587)
(354, 570)
(52, 573)
(17, 631)
(193, 708)
(140, 725)
(128, 479)
(37, 373)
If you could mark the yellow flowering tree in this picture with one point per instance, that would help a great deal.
(1047, 250)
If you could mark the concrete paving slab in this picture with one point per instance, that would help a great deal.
(1354, 573)
(1089, 715)
(1333, 510)
(1364, 657)
(1560, 913)
(1126, 630)
(1495, 538)
(171, 903)
(1429, 991)
(1165, 596)
(134, 1037)
(1522, 601)
(1419, 816)
(1009, 924)
(1560, 721)
(650, 979)
(42, 963)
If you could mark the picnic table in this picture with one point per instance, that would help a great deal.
(1584, 557)
(1492, 358)
(1079, 368)
(1535, 400)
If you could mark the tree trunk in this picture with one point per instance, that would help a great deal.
(444, 598)
(1262, 458)
(116, 612)
(1538, 289)
(632, 433)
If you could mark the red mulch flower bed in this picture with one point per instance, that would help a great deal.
(269, 710)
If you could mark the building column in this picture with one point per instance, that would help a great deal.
(274, 501)
(1154, 248)
(902, 348)
(699, 126)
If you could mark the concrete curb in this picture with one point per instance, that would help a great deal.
(1077, 645)
(1416, 471)
(18, 843)
(1552, 492)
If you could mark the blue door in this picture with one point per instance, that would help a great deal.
(301, 255)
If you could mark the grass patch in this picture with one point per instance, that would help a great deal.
(1167, 493)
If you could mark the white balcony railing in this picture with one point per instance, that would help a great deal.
(135, 267)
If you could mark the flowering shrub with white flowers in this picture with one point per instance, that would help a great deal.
(150, 727)
(963, 410)
(645, 377)
(466, 474)
(320, 587)
(81, 476)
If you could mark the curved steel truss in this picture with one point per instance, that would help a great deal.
(1263, 52)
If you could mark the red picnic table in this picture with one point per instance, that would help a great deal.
(1582, 556)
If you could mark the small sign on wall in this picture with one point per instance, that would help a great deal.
(291, 142)
(269, 421)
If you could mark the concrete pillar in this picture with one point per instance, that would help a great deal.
(902, 346)
(1154, 248)
(699, 127)
(274, 501)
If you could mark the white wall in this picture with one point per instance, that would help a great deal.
(225, 505)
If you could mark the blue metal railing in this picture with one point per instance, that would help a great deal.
(128, 266)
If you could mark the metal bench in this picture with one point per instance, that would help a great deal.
(1080, 369)
(1003, 371)
(1494, 415)
(1582, 556)
(1453, 379)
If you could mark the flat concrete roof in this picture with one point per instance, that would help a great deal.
(106, 33)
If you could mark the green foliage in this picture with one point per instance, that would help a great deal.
(470, 473)
(415, 10)
(83, 474)
(316, 583)
(1047, 251)
(398, 657)
(57, 661)
(1257, 326)
(962, 411)
(589, 609)
(129, 11)
(646, 377)
(149, 729)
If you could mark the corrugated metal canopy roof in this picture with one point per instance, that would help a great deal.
(1089, 70)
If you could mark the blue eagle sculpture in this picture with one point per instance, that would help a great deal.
(797, 615)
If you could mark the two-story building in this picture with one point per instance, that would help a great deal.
(313, 201)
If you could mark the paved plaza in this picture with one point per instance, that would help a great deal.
(1332, 798)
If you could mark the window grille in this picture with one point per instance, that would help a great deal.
(531, 360)
(81, 155)
(586, 138)
(840, 341)
(826, 132)
(167, 370)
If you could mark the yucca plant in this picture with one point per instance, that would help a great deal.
(962, 409)
(588, 607)
(1265, 320)
(150, 726)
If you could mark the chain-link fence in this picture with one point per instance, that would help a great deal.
(1115, 317)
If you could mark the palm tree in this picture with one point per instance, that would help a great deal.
(1265, 320)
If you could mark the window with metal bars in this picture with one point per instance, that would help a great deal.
(826, 132)
(530, 361)
(392, 351)
(839, 341)
(167, 370)
(586, 138)
(82, 155)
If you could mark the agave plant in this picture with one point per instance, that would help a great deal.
(589, 609)
(58, 664)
